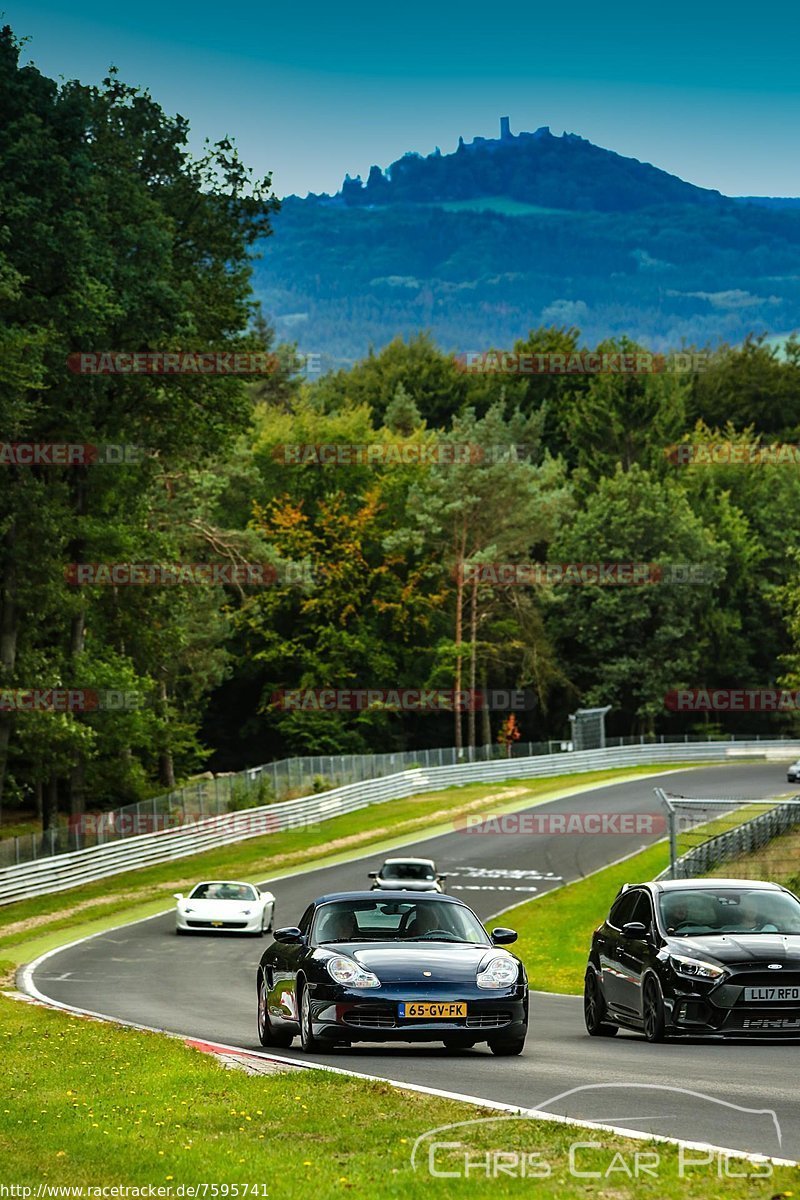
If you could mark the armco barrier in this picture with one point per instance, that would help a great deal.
(81, 866)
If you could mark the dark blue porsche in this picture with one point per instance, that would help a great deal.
(392, 966)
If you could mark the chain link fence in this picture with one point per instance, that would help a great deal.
(733, 838)
(213, 795)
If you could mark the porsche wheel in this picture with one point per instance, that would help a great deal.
(307, 1040)
(503, 1048)
(266, 1034)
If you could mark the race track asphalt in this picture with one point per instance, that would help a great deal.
(204, 987)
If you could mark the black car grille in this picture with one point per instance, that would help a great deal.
(764, 979)
(216, 924)
(488, 1020)
(370, 1018)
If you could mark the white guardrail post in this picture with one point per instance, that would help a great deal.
(63, 871)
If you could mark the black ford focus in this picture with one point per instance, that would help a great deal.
(697, 957)
(392, 966)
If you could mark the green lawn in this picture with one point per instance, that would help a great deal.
(555, 931)
(90, 1104)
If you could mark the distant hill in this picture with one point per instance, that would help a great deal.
(564, 172)
(506, 234)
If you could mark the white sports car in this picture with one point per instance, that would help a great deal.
(225, 906)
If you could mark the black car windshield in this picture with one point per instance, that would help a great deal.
(407, 870)
(696, 913)
(396, 920)
(223, 891)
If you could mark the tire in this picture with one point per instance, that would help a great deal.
(505, 1048)
(454, 1044)
(653, 1015)
(594, 1009)
(308, 1042)
(181, 932)
(266, 1034)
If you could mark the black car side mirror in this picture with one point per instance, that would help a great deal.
(634, 929)
(503, 937)
(372, 875)
(290, 934)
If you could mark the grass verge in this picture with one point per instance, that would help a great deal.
(555, 930)
(89, 1105)
(30, 927)
(778, 861)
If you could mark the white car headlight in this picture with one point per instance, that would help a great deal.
(346, 971)
(499, 973)
(695, 968)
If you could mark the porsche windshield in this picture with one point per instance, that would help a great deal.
(396, 920)
(695, 913)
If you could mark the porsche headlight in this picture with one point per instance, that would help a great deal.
(499, 973)
(695, 968)
(347, 972)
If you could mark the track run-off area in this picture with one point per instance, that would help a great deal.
(743, 1096)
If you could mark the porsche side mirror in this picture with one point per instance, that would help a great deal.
(441, 878)
(634, 929)
(178, 895)
(372, 875)
(503, 937)
(290, 935)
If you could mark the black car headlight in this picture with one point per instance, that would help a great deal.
(499, 972)
(695, 968)
(349, 973)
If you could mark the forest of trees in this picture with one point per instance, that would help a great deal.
(115, 238)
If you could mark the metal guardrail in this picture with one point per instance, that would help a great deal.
(68, 870)
(212, 795)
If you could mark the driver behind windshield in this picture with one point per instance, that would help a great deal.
(752, 917)
(426, 920)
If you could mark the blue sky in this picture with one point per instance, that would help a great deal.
(312, 90)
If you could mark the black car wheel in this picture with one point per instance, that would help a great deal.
(266, 1034)
(653, 1014)
(307, 1040)
(454, 1044)
(502, 1048)
(594, 1009)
